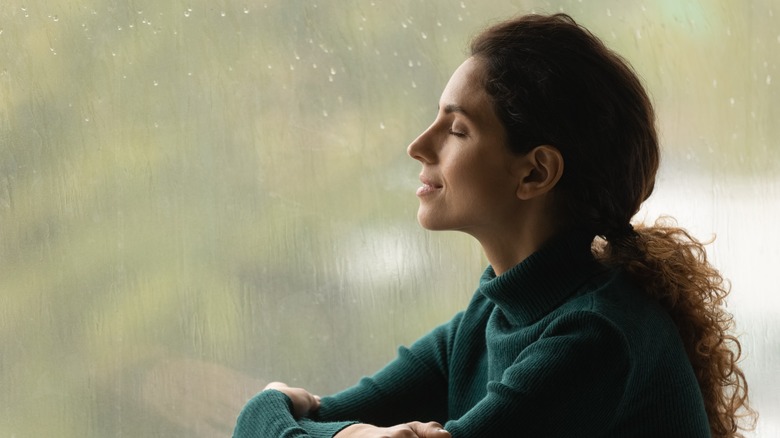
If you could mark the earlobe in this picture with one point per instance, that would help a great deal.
(540, 171)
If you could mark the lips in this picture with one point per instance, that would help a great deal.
(429, 186)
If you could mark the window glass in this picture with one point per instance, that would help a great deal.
(197, 197)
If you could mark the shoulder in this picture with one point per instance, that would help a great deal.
(616, 307)
(616, 297)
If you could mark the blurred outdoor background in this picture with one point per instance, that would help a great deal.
(199, 196)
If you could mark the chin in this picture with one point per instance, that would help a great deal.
(430, 223)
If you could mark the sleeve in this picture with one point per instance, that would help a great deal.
(411, 387)
(268, 415)
(567, 383)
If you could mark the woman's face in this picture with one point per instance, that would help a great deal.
(467, 177)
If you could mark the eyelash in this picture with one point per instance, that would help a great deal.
(457, 134)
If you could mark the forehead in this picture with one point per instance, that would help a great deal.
(465, 90)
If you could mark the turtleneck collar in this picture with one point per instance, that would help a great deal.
(544, 280)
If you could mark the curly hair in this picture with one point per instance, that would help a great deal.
(553, 82)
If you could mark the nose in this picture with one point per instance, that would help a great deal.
(420, 149)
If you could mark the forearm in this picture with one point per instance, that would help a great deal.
(269, 414)
(405, 390)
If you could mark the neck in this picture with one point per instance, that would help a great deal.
(507, 249)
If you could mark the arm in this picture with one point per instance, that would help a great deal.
(412, 387)
(568, 383)
(270, 414)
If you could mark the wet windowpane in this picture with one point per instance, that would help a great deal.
(199, 196)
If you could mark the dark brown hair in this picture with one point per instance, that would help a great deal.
(553, 82)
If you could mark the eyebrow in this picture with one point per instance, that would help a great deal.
(452, 108)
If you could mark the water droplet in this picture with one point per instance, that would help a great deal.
(381, 125)
(314, 66)
(609, 12)
(768, 79)
(324, 113)
(414, 84)
(411, 63)
(292, 67)
(187, 12)
(438, 23)
(424, 35)
(332, 71)
(246, 10)
(403, 25)
(732, 101)
(463, 5)
(55, 18)
(155, 83)
(222, 14)
(714, 83)
(330, 78)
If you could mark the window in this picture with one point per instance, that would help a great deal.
(199, 196)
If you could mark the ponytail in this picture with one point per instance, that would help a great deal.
(672, 267)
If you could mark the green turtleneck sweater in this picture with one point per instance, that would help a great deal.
(558, 346)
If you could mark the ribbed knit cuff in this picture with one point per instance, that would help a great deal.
(268, 415)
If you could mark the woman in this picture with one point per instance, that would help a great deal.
(543, 149)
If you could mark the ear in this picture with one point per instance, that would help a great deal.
(539, 171)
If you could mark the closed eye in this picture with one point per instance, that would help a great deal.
(457, 134)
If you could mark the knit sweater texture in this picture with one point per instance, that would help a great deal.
(558, 346)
